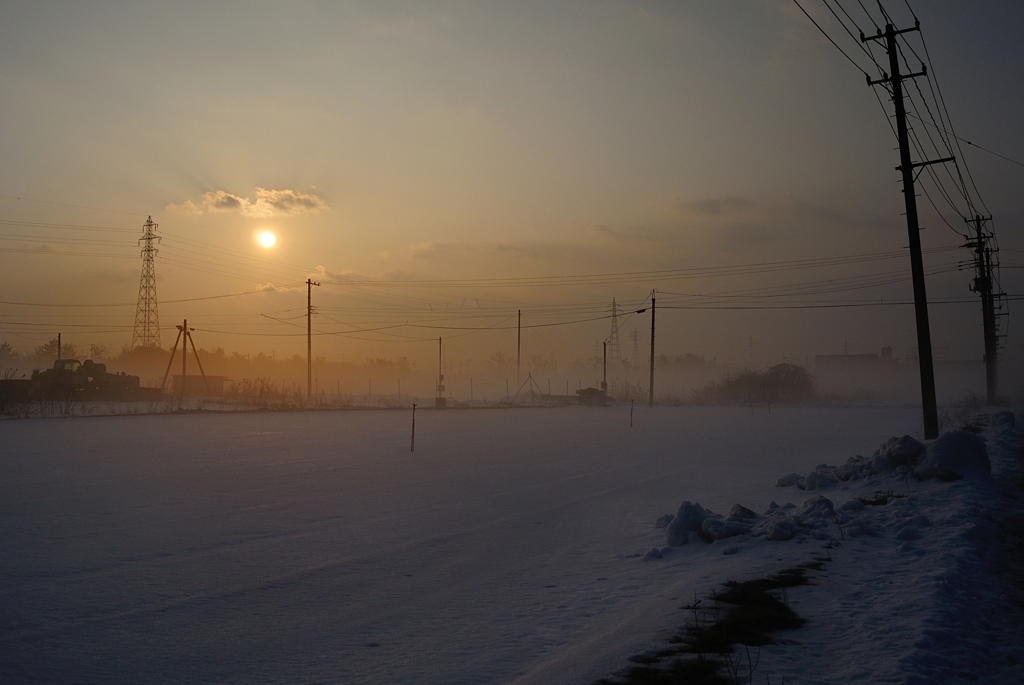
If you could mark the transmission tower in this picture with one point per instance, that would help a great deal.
(635, 360)
(147, 318)
(614, 349)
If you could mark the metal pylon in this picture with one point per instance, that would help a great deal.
(614, 349)
(147, 319)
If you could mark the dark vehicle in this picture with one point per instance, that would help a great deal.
(593, 396)
(72, 379)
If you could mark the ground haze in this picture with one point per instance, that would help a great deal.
(278, 547)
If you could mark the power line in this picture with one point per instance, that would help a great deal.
(851, 60)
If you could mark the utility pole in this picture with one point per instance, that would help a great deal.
(983, 283)
(58, 347)
(650, 399)
(184, 356)
(412, 443)
(309, 338)
(907, 167)
(185, 338)
(650, 396)
(604, 382)
(519, 343)
(439, 400)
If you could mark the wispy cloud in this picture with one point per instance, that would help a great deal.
(267, 203)
(271, 288)
(186, 207)
(272, 202)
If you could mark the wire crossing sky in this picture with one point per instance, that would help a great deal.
(438, 166)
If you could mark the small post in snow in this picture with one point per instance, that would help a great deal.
(412, 445)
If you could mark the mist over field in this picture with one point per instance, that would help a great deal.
(600, 343)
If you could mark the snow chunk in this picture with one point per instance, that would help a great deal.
(955, 455)
(815, 508)
(780, 530)
(1002, 418)
(851, 505)
(903, 451)
(791, 479)
(909, 533)
(821, 478)
(740, 511)
(689, 518)
(664, 520)
(892, 454)
(717, 529)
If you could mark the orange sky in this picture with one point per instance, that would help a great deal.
(447, 141)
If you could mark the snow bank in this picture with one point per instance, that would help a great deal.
(954, 455)
(921, 568)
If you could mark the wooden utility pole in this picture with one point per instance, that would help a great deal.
(188, 333)
(439, 400)
(983, 283)
(907, 167)
(650, 399)
(604, 381)
(309, 338)
(170, 361)
(412, 445)
(519, 343)
(184, 356)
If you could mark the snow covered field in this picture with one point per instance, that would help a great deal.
(314, 547)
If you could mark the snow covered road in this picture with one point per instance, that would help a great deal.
(314, 547)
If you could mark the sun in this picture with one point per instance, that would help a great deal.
(266, 239)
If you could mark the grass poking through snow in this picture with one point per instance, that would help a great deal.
(704, 653)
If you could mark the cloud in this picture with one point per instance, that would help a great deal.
(186, 207)
(223, 201)
(273, 202)
(268, 203)
(325, 275)
(271, 288)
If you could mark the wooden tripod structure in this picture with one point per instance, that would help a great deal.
(184, 332)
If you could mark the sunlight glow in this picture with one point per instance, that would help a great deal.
(266, 239)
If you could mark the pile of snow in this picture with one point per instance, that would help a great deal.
(920, 568)
(694, 523)
(954, 455)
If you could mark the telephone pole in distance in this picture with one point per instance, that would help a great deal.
(983, 283)
(309, 338)
(650, 391)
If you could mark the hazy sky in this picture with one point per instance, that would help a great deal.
(420, 141)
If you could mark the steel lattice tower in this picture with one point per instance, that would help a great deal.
(614, 349)
(147, 318)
